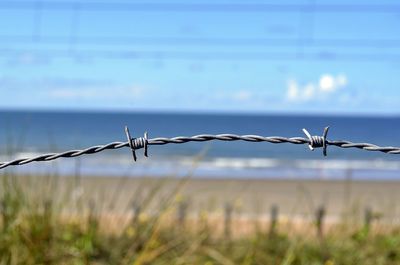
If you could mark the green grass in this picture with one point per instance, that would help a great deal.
(34, 231)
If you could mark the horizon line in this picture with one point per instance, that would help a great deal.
(202, 112)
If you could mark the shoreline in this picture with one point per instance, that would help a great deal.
(217, 168)
(219, 178)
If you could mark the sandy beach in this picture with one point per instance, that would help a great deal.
(249, 197)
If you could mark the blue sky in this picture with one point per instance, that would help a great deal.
(335, 57)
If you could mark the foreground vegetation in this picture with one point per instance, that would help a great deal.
(36, 231)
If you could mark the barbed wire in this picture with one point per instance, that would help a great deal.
(143, 143)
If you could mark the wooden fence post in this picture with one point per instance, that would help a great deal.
(319, 220)
(182, 211)
(136, 208)
(274, 219)
(228, 220)
(368, 217)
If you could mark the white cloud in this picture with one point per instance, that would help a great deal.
(326, 84)
(65, 93)
(293, 90)
(341, 80)
(330, 83)
(309, 91)
(242, 95)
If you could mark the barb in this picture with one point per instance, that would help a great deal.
(136, 143)
(143, 142)
(317, 141)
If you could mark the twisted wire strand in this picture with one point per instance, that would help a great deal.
(139, 143)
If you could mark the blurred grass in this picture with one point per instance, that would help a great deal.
(35, 229)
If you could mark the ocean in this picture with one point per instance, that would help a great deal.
(29, 133)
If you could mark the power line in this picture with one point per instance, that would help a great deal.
(206, 56)
(199, 41)
(202, 7)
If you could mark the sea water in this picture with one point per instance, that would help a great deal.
(29, 133)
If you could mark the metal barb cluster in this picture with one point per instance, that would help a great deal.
(143, 142)
(318, 141)
(137, 143)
